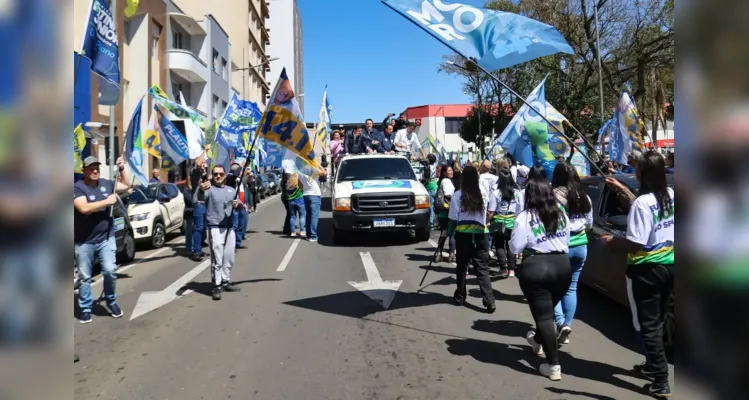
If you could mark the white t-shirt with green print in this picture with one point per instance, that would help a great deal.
(529, 235)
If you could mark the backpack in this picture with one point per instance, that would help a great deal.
(439, 201)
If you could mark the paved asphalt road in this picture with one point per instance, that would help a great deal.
(305, 333)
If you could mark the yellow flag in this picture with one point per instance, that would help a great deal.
(152, 140)
(132, 7)
(79, 142)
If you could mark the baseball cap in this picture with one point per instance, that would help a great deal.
(89, 161)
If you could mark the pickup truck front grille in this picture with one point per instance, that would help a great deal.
(382, 203)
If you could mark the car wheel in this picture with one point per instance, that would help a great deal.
(669, 328)
(128, 248)
(424, 234)
(158, 236)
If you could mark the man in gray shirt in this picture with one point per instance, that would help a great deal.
(220, 200)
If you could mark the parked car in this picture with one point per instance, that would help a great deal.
(603, 270)
(156, 211)
(273, 185)
(123, 235)
(263, 186)
(275, 176)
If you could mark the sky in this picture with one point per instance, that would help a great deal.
(373, 60)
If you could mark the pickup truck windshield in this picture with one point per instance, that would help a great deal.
(367, 169)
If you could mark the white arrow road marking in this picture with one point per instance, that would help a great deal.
(287, 257)
(382, 292)
(149, 301)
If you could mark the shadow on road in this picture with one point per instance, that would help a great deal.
(608, 317)
(507, 328)
(206, 288)
(361, 239)
(578, 393)
(511, 357)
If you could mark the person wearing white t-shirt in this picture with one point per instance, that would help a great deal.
(312, 201)
(468, 223)
(649, 245)
(504, 205)
(541, 234)
(571, 196)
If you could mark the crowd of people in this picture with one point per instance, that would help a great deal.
(537, 228)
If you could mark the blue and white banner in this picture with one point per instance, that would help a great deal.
(625, 130)
(133, 148)
(100, 45)
(604, 131)
(240, 116)
(495, 39)
(274, 154)
(173, 144)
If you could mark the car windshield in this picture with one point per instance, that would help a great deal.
(366, 169)
(143, 195)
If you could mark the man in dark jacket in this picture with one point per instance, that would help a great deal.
(400, 123)
(357, 143)
(384, 141)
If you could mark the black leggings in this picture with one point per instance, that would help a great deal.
(502, 249)
(474, 248)
(544, 279)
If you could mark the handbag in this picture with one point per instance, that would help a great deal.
(439, 201)
(497, 227)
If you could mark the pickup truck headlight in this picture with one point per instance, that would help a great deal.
(422, 201)
(342, 204)
(139, 217)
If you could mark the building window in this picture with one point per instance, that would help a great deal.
(224, 70)
(452, 124)
(177, 39)
(155, 47)
(215, 107)
(223, 107)
(176, 90)
(215, 60)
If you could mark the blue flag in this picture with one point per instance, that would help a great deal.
(605, 129)
(626, 125)
(133, 150)
(241, 116)
(173, 144)
(526, 137)
(100, 45)
(495, 39)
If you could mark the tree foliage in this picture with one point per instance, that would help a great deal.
(637, 53)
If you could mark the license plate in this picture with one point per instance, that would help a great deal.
(379, 223)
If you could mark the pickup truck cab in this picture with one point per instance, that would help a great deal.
(376, 193)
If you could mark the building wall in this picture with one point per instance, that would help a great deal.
(219, 80)
(285, 28)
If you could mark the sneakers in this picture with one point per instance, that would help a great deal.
(491, 253)
(563, 334)
(531, 338)
(643, 371)
(491, 308)
(553, 372)
(303, 234)
(228, 287)
(115, 309)
(511, 274)
(438, 257)
(85, 318)
(459, 301)
(451, 258)
(292, 234)
(312, 240)
(659, 389)
(216, 295)
(196, 257)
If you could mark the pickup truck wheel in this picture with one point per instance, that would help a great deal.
(158, 235)
(424, 234)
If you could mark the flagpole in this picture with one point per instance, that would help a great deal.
(534, 109)
(113, 8)
(598, 52)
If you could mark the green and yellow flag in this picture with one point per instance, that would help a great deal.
(79, 142)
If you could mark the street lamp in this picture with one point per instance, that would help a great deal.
(244, 89)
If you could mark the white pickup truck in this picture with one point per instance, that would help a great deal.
(374, 193)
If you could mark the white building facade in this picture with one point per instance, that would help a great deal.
(200, 64)
(285, 29)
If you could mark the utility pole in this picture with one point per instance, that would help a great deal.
(598, 52)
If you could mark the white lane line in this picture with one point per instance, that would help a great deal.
(287, 257)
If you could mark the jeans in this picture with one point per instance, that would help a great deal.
(473, 248)
(564, 311)
(544, 279)
(297, 210)
(240, 219)
(431, 207)
(312, 205)
(198, 227)
(651, 286)
(189, 240)
(85, 255)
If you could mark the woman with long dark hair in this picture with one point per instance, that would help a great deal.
(445, 184)
(541, 234)
(468, 223)
(649, 245)
(576, 204)
(504, 204)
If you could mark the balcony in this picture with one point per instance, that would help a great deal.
(265, 11)
(188, 66)
(189, 24)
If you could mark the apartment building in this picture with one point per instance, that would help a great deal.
(244, 22)
(200, 64)
(285, 25)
